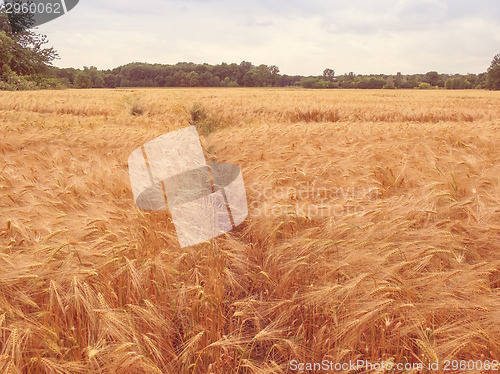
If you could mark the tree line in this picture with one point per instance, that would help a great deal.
(182, 74)
(25, 63)
(245, 74)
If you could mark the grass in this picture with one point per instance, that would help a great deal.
(91, 284)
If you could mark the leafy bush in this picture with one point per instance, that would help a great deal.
(313, 82)
(424, 86)
(227, 82)
(12, 82)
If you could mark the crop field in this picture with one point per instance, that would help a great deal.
(373, 233)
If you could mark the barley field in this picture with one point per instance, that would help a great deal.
(373, 233)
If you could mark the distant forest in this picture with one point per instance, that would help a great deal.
(25, 63)
(245, 74)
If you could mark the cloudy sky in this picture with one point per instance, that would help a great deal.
(301, 37)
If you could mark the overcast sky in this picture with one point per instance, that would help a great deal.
(301, 37)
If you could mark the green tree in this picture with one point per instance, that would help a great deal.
(6, 54)
(99, 81)
(399, 80)
(110, 81)
(274, 70)
(252, 78)
(458, 83)
(309, 82)
(208, 80)
(493, 80)
(412, 81)
(96, 77)
(481, 81)
(259, 76)
(328, 74)
(390, 83)
(347, 80)
(192, 79)
(83, 80)
(371, 82)
(431, 77)
(26, 50)
(243, 69)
